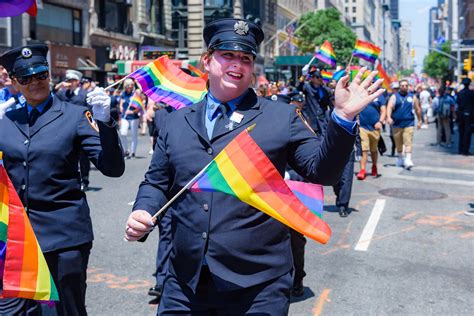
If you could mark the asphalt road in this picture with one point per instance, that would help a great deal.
(406, 251)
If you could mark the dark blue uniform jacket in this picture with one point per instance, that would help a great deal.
(240, 244)
(42, 162)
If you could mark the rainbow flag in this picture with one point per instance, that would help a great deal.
(17, 7)
(326, 54)
(383, 75)
(137, 103)
(310, 194)
(367, 51)
(243, 170)
(326, 75)
(162, 81)
(339, 74)
(23, 270)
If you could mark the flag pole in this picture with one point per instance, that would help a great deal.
(117, 82)
(187, 186)
(305, 69)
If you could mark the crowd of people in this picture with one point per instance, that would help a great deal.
(207, 259)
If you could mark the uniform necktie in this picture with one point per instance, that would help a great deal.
(34, 114)
(222, 117)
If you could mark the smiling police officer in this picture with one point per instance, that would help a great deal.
(227, 257)
(41, 143)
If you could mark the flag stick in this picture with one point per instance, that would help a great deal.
(117, 82)
(187, 186)
(348, 68)
(306, 67)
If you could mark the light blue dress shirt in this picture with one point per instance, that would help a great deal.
(212, 112)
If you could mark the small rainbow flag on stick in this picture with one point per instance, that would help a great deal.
(383, 75)
(339, 74)
(326, 54)
(367, 51)
(327, 75)
(137, 103)
(243, 170)
(24, 272)
(162, 81)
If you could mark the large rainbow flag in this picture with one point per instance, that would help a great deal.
(366, 51)
(23, 269)
(162, 81)
(137, 103)
(310, 194)
(326, 54)
(243, 170)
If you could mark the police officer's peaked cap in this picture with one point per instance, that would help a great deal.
(279, 98)
(233, 34)
(25, 61)
(296, 96)
(72, 74)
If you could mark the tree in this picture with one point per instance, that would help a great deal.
(326, 25)
(437, 65)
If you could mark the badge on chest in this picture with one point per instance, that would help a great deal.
(235, 118)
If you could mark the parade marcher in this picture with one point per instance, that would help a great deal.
(371, 121)
(395, 86)
(70, 90)
(444, 112)
(465, 116)
(318, 99)
(401, 109)
(425, 102)
(164, 225)
(41, 144)
(9, 96)
(227, 257)
(129, 120)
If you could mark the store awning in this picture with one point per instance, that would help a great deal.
(292, 60)
(124, 67)
(86, 64)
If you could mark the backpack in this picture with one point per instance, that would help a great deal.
(444, 107)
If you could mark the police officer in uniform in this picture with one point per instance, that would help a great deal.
(465, 116)
(71, 91)
(41, 143)
(318, 99)
(227, 257)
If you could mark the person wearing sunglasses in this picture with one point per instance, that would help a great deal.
(41, 144)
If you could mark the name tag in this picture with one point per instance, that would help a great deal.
(236, 117)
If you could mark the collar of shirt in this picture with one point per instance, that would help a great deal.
(213, 105)
(39, 107)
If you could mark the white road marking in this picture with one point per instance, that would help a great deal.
(446, 170)
(369, 229)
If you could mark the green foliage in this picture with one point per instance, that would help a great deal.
(406, 72)
(326, 25)
(437, 65)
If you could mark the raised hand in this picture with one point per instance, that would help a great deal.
(352, 98)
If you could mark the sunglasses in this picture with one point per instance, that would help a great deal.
(27, 80)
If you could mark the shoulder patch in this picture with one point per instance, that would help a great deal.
(91, 121)
(304, 120)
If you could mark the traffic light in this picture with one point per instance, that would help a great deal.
(468, 63)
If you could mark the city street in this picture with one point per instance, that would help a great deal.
(406, 249)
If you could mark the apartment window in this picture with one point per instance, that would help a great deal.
(354, 20)
(346, 9)
(58, 24)
(354, 9)
(113, 16)
(5, 30)
(156, 15)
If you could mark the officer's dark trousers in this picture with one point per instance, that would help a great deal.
(164, 248)
(85, 167)
(68, 269)
(298, 241)
(465, 133)
(270, 298)
(343, 188)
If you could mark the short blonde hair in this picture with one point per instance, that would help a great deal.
(128, 82)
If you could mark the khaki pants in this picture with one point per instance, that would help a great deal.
(403, 136)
